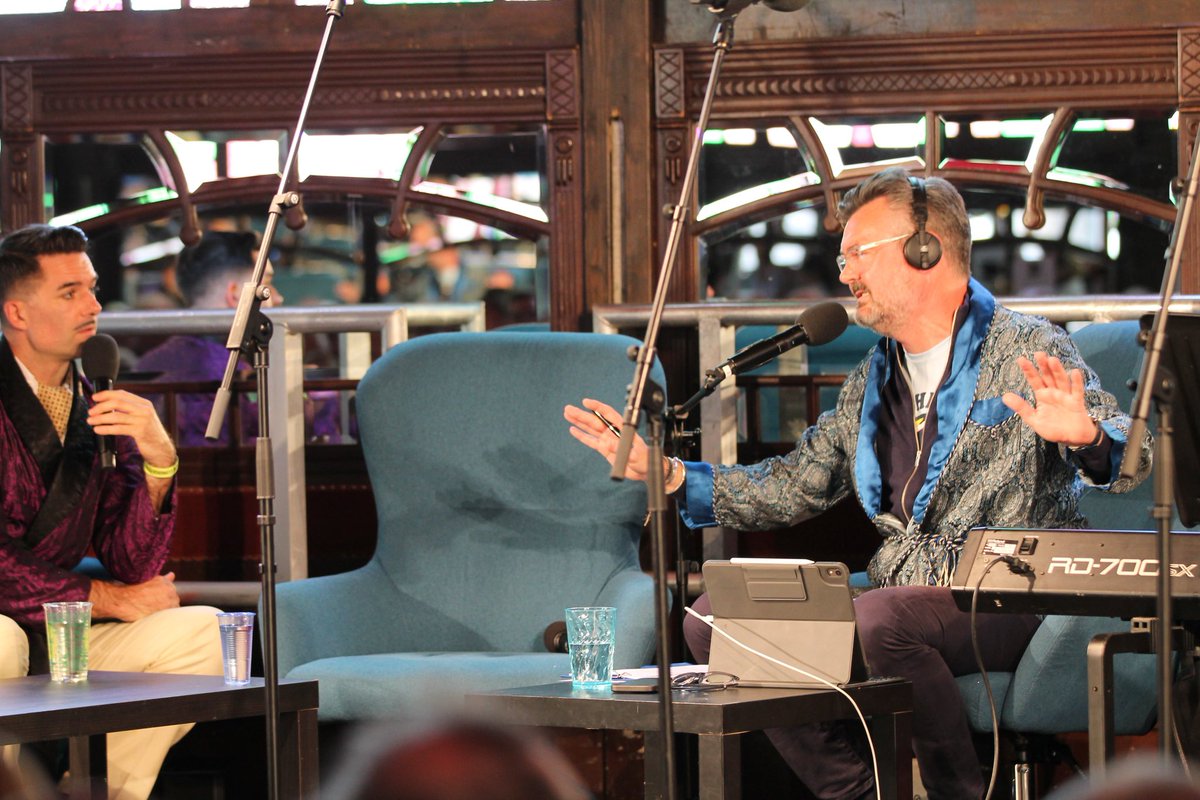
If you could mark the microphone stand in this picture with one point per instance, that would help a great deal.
(251, 334)
(637, 400)
(1156, 383)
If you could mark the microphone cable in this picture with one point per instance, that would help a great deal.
(1020, 567)
(707, 620)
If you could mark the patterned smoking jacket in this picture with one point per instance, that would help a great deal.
(986, 466)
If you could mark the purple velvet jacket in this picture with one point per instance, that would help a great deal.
(56, 502)
(198, 358)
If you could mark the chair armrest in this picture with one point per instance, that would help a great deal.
(631, 592)
(351, 613)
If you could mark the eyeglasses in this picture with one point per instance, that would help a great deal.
(859, 250)
(704, 681)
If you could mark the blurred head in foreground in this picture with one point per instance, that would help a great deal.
(453, 761)
(1135, 778)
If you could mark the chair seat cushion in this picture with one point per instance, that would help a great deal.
(1048, 693)
(975, 697)
(393, 684)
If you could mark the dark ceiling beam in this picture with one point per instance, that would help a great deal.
(287, 29)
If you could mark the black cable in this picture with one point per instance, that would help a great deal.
(1020, 567)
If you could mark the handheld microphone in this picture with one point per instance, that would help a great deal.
(818, 325)
(101, 360)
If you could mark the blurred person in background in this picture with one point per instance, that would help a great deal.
(210, 275)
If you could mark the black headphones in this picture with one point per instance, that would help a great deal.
(921, 250)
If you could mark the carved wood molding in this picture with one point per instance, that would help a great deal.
(562, 85)
(16, 97)
(566, 241)
(21, 157)
(266, 90)
(669, 99)
(21, 173)
(1124, 69)
(1189, 68)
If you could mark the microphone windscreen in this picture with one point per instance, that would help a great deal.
(824, 322)
(101, 358)
(785, 5)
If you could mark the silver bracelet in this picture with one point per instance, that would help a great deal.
(1094, 442)
(676, 468)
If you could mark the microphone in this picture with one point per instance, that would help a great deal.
(818, 325)
(730, 8)
(101, 360)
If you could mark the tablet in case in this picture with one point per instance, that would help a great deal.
(798, 612)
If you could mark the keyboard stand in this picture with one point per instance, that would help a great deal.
(1100, 654)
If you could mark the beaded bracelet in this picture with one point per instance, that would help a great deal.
(161, 472)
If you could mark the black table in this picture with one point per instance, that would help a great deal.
(719, 718)
(34, 709)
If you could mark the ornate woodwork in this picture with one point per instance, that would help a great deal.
(21, 173)
(1126, 69)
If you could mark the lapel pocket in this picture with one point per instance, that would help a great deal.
(990, 411)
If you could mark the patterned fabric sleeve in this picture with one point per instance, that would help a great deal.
(786, 489)
(131, 539)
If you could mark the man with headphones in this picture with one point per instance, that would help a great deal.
(964, 414)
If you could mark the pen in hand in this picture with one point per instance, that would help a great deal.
(613, 428)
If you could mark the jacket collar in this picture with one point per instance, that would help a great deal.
(65, 466)
(953, 404)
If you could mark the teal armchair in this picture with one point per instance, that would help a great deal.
(492, 520)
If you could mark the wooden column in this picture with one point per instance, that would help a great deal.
(674, 134)
(21, 173)
(618, 223)
(564, 151)
(1189, 125)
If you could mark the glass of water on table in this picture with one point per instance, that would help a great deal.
(237, 638)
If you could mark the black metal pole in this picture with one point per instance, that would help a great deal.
(1155, 384)
(722, 41)
(1164, 487)
(250, 333)
(657, 505)
(264, 479)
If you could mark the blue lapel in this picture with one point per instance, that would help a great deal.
(953, 404)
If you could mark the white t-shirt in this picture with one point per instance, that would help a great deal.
(924, 372)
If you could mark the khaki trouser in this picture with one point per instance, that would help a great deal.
(14, 663)
(175, 640)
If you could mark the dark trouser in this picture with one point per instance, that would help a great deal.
(916, 633)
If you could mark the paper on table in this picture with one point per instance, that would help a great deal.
(652, 672)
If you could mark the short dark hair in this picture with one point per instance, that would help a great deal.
(947, 211)
(217, 254)
(19, 251)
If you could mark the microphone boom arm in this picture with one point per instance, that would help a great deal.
(251, 333)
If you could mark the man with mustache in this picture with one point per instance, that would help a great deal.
(56, 501)
(933, 433)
